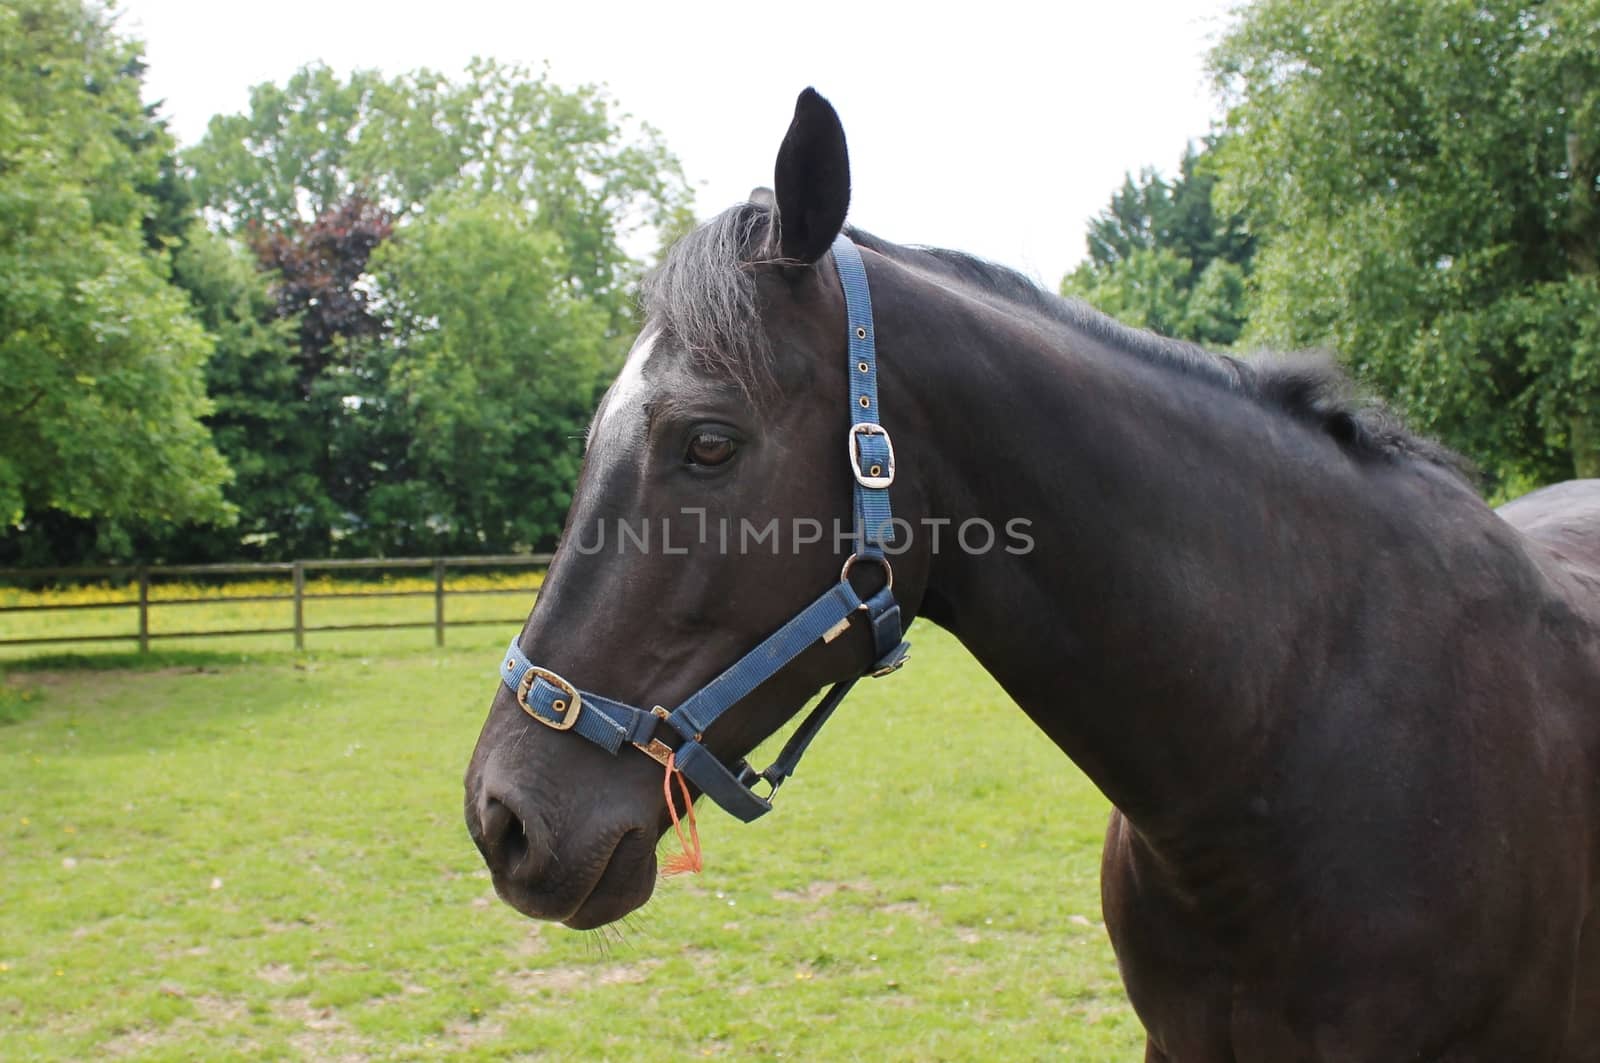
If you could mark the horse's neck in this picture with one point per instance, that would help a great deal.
(1191, 552)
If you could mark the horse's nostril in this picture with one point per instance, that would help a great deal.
(504, 839)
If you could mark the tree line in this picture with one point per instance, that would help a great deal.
(1412, 184)
(368, 315)
(371, 314)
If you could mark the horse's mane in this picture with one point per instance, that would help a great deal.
(703, 294)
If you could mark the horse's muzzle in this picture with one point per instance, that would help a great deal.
(528, 874)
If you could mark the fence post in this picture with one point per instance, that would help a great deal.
(299, 605)
(438, 601)
(144, 609)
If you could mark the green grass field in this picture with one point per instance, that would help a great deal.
(261, 855)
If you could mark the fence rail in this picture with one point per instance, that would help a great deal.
(139, 580)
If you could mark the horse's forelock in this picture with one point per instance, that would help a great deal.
(703, 295)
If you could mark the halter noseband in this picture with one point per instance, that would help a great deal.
(553, 701)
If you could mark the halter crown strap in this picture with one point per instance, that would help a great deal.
(870, 449)
(609, 724)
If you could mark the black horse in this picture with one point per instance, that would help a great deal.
(1349, 716)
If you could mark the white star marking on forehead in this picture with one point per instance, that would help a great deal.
(624, 403)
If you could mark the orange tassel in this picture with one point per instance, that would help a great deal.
(689, 859)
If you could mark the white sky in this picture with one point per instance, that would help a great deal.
(997, 126)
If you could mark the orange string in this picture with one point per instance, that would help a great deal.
(689, 859)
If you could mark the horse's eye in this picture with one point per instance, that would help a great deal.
(709, 449)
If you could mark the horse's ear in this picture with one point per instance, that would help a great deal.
(813, 180)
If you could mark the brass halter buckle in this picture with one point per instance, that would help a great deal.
(568, 706)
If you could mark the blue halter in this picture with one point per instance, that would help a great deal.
(553, 701)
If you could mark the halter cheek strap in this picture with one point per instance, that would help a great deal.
(678, 736)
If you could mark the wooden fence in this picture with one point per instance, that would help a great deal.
(138, 579)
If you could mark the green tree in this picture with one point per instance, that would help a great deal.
(497, 364)
(1162, 258)
(585, 173)
(101, 391)
(260, 421)
(1424, 177)
(504, 292)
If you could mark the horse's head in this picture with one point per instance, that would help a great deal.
(714, 505)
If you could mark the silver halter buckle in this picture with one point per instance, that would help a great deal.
(876, 477)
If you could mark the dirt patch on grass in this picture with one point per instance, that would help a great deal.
(912, 909)
(1095, 1011)
(323, 1035)
(704, 961)
(533, 942)
(212, 1011)
(817, 891)
(279, 974)
(566, 979)
(476, 1033)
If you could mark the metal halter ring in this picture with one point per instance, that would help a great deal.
(888, 572)
(568, 706)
